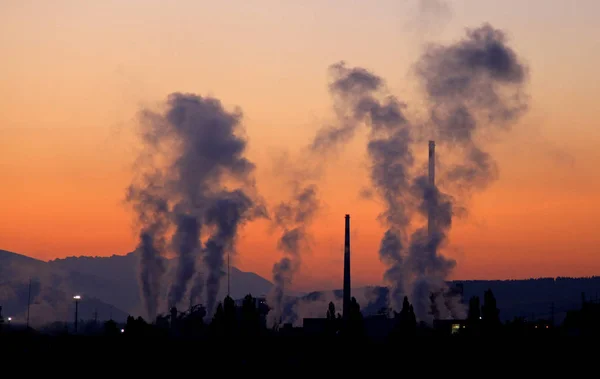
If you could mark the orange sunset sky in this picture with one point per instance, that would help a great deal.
(73, 74)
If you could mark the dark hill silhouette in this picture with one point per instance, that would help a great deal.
(529, 298)
(6, 256)
(52, 290)
(123, 270)
(111, 280)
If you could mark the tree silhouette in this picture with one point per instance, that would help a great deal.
(162, 322)
(406, 320)
(192, 322)
(110, 328)
(353, 326)
(473, 318)
(225, 319)
(490, 314)
(1, 319)
(333, 320)
(218, 321)
(136, 326)
(412, 317)
(229, 311)
(250, 316)
(355, 314)
(474, 309)
(331, 311)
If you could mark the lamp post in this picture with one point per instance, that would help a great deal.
(77, 298)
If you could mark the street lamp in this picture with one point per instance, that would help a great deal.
(77, 298)
(9, 319)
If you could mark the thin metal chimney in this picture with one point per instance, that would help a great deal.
(430, 214)
(347, 295)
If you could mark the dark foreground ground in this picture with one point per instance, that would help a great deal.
(498, 357)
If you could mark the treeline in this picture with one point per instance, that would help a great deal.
(248, 320)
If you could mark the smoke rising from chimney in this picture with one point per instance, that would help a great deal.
(195, 176)
(473, 87)
(474, 83)
(360, 98)
(294, 218)
(185, 241)
(192, 155)
(226, 212)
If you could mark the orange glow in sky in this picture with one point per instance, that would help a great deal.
(74, 74)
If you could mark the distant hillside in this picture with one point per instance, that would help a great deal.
(111, 284)
(111, 281)
(122, 271)
(52, 291)
(530, 298)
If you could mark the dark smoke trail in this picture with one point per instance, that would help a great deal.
(186, 242)
(473, 86)
(359, 98)
(294, 218)
(152, 209)
(199, 155)
(353, 90)
(428, 268)
(227, 211)
(197, 289)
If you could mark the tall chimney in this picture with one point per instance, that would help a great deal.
(346, 304)
(430, 214)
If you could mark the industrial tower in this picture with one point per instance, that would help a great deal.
(347, 295)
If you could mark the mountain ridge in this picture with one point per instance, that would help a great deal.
(113, 280)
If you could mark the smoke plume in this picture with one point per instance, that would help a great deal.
(472, 87)
(354, 91)
(431, 16)
(151, 207)
(199, 179)
(360, 98)
(430, 269)
(293, 217)
(226, 211)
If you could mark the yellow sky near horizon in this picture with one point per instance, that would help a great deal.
(73, 75)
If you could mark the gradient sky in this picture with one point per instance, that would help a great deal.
(74, 73)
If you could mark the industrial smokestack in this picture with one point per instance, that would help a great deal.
(430, 213)
(347, 295)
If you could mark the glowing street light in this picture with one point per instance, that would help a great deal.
(77, 298)
(9, 319)
(122, 330)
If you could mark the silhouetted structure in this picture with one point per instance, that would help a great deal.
(406, 320)
(347, 283)
(450, 327)
(490, 314)
(585, 321)
(110, 328)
